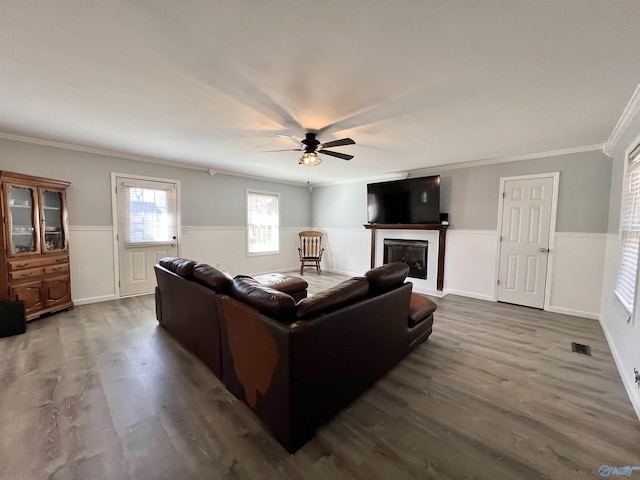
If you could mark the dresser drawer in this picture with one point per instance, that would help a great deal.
(22, 274)
(56, 269)
(37, 262)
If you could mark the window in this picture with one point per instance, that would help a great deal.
(149, 214)
(263, 222)
(629, 233)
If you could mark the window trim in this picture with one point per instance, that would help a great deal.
(631, 164)
(251, 191)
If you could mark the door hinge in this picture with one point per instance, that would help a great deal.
(117, 237)
(500, 238)
(116, 189)
(504, 194)
(498, 282)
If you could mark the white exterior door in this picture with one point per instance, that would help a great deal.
(524, 241)
(147, 230)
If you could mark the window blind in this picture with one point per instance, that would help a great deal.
(629, 234)
(263, 222)
(147, 212)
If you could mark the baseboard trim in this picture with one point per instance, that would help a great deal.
(574, 313)
(478, 296)
(342, 272)
(431, 293)
(632, 390)
(90, 300)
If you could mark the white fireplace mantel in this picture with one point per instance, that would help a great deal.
(442, 236)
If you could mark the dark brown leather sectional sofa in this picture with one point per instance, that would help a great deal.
(294, 361)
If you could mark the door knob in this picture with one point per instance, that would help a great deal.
(543, 250)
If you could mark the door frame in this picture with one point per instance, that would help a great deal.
(552, 230)
(114, 217)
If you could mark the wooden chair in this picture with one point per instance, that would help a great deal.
(310, 250)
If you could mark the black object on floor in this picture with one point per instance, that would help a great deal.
(580, 348)
(13, 319)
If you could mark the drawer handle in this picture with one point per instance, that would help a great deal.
(20, 265)
(25, 274)
(55, 269)
(61, 260)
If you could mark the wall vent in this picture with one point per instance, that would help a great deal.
(580, 348)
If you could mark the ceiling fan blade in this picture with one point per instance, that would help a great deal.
(337, 143)
(283, 150)
(343, 156)
(291, 139)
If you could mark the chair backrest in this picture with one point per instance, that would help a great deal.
(310, 243)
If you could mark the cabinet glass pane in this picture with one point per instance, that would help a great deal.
(52, 222)
(23, 234)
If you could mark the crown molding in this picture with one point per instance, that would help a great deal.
(376, 178)
(140, 158)
(628, 115)
(474, 163)
(514, 158)
(101, 151)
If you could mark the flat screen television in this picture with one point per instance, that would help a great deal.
(415, 200)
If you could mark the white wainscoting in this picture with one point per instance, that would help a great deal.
(346, 250)
(623, 334)
(93, 267)
(91, 262)
(226, 249)
(577, 261)
(577, 265)
(470, 263)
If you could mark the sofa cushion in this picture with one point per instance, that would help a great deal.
(212, 277)
(386, 277)
(265, 299)
(282, 282)
(179, 266)
(346, 292)
(419, 309)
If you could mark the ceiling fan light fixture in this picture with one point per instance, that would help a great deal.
(310, 159)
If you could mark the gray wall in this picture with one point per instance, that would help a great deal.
(470, 195)
(206, 200)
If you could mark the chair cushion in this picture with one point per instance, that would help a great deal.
(212, 277)
(179, 266)
(387, 277)
(267, 300)
(346, 292)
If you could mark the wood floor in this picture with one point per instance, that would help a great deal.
(496, 393)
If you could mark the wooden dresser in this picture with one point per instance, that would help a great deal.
(34, 262)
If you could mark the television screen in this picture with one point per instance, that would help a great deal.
(416, 200)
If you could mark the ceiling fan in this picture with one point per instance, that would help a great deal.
(311, 147)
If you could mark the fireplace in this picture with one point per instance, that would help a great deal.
(411, 252)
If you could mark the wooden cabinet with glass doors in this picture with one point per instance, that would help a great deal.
(34, 267)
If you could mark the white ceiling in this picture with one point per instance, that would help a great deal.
(414, 83)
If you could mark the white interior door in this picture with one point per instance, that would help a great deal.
(147, 230)
(524, 240)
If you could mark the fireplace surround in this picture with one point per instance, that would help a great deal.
(440, 241)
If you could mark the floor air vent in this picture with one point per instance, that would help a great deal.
(579, 348)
